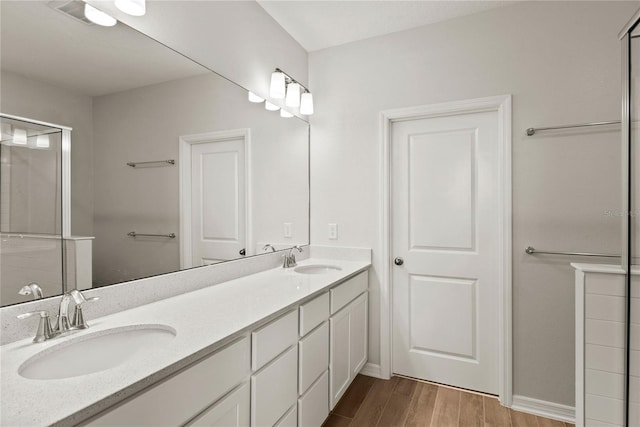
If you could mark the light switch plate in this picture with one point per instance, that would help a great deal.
(333, 231)
(287, 229)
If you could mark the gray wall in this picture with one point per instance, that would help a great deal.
(561, 62)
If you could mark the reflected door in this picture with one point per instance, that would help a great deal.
(445, 206)
(218, 211)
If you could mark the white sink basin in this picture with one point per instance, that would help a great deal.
(316, 269)
(95, 352)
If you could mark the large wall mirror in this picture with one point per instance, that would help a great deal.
(170, 166)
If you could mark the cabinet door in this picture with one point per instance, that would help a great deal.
(232, 411)
(274, 389)
(339, 371)
(359, 346)
(348, 346)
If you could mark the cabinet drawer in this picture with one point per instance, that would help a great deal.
(232, 411)
(289, 420)
(274, 389)
(184, 395)
(313, 407)
(313, 313)
(314, 356)
(346, 292)
(273, 338)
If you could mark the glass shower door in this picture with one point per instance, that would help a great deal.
(31, 220)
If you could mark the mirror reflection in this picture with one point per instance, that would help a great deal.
(171, 167)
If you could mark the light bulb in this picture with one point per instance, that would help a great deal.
(255, 98)
(42, 141)
(19, 136)
(306, 104)
(277, 89)
(132, 7)
(293, 95)
(98, 17)
(285, 114)
(271, 107)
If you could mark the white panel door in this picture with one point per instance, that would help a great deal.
(445, 210)
(217, 201)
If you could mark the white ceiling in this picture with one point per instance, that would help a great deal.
(320, 24)
(43, 44)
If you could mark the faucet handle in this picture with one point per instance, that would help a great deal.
(44, 331)
(78, 321)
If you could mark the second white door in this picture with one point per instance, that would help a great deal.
(445, 210)
(217, 201)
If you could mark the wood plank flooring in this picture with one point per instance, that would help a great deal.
(404, 402)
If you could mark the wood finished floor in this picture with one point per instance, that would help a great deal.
(403, 402)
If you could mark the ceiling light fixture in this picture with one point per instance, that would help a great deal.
(285, 114)
(42, 141)
(255, 98)
(132, 7)
(98, 17)
(285, 86)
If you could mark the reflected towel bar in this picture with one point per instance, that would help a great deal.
(532, 251)
(160, 162)
(532, 131)
(134, 234)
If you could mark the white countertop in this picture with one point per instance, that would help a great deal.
(204, 320)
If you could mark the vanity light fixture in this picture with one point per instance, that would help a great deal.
(132, 7)
(19, 136)
(255, 98)
(277, 89)
(283, 84)
(306, 104)
(271, 107)
(285, 114)
(98, 17)
(293, 95)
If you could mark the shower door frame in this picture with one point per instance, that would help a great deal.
(626, 223)
(65, 182)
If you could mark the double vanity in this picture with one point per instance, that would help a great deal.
(278, 347)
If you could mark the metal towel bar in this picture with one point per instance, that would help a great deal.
(532, 131)
(134, 234)
(159, 162)
(532, 251)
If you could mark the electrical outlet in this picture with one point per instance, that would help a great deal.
(333, 231)
(287, 229)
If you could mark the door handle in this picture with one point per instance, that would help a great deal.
(242, 252)
(398, 261)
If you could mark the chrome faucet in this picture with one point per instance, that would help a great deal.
(289, 260)
(269, 246)
(32, 289)
(47, 331)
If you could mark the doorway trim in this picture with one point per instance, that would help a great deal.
(185, 143)
(501, 105)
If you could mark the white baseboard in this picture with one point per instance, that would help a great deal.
(372, 370)
(545, 409)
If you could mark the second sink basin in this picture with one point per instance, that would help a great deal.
(316, 269)
(95, 352)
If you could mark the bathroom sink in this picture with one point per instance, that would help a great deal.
(96, 352)
(316, 269)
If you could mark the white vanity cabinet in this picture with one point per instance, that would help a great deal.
(288, 372)
(209, 386)
(348, 334)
